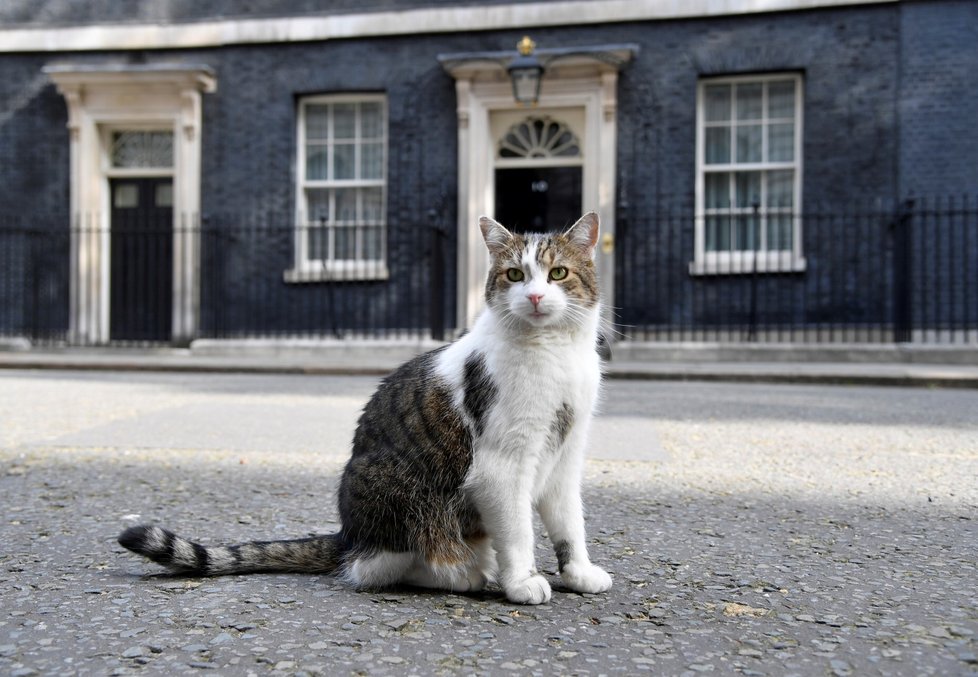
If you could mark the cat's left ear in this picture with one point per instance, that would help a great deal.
(496, 236)
(584, 233)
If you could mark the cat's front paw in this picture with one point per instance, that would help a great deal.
(586, 578)
(531, 590)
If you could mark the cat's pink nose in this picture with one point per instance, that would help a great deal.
(535, 299)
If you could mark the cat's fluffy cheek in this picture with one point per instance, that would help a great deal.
(586, 578)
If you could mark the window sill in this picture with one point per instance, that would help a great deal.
(350, 271)
(748, 264)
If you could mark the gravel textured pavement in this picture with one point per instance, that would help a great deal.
(750, 529)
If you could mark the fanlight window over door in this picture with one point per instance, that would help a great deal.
(539, 138)
(142, 149)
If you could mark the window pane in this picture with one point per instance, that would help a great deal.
(372, 161)
(317, 242)
(717, 232)
(371, 120)
(317, 162)
(373, 243)
(345, 243)
(779, 233)
(781, 142)
(164, 195)
(780, 189)
(344, 120)
(781, 99)
(317, 122)
(373, 206)
(749, 143)
(718, 190)
(125, 196)
(344, 161)
(749, 101)
(346, 205)
(717, 99)
(717, 145)
(748, 189)
(746, 233)
(317, 205)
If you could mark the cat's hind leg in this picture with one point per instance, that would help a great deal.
(379, 570)
(463, 577)
(464, 568)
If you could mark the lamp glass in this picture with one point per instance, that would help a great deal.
(526, 84)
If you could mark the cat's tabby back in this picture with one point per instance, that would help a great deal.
(458, 446)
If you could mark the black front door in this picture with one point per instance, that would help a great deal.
(141, 270)
(538, 199)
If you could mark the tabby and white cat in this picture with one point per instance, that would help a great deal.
(458, 446)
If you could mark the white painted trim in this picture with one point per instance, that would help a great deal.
(102, 100)
(303, 268)
(740, 262)
(407, 22)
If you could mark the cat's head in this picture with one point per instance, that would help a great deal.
(543, 280)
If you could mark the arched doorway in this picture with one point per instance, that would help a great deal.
(538, 171)
(579, 92)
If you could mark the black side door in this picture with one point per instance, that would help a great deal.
(141, 269)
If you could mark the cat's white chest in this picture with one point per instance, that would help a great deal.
(537, 386)
(541, 389)
(545, 377)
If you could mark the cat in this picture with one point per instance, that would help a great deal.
(458, 446)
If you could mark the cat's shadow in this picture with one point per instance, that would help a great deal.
(490, 594)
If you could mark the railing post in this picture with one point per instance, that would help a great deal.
(34, 280)
(752, 329)
(902, 272)
(437, 286)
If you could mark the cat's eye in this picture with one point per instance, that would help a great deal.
(558, 273)
(514, 275)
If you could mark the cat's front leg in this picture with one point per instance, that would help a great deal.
(507, 515)
(562, 513)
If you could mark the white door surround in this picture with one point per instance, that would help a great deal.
(105, 99)
(484, 96)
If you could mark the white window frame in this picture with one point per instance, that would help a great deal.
(748, 261)
(306, 269)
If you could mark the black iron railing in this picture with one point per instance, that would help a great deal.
(903, 273)
(320, 281)
(870, 274)
(221, 277)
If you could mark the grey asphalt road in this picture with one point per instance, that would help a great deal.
(750, 529)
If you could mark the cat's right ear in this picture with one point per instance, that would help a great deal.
(496, 236)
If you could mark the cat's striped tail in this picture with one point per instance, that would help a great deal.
(317, 554)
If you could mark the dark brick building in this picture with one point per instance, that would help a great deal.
(173, 170)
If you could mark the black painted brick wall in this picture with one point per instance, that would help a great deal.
(857, 149)
(939, 98)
